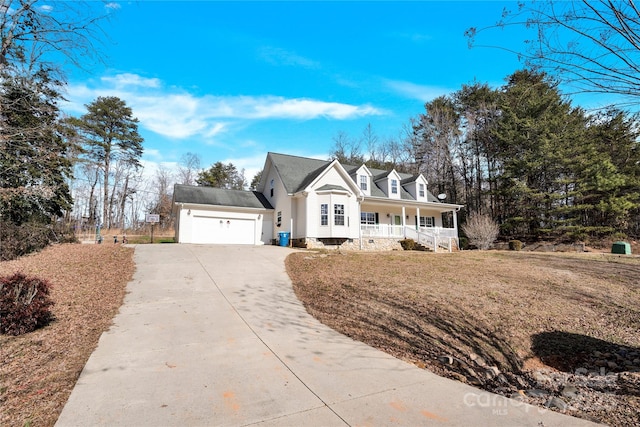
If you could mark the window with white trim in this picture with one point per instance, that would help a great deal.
(324, 214)
(367, 218)
(279, 219)
(338, 214)
(420, 190)
(394, 186)
(364, 182)
(427, 221)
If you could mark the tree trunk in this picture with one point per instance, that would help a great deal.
(105, 202)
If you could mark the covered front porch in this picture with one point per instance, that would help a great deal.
(434, 225)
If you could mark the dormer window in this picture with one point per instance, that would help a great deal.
(394, 186)
(364, 182)
(420, 190)
(271, 189)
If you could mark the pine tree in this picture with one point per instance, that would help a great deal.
(222, 175)
(35, 159)
(110, 133)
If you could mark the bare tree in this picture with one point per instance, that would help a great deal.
(190, 166)
(481, 230)
(593, 46)
(346, 149)
(32, 29)
(162, 187)
(437, 132)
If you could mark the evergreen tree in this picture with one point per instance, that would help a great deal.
(535, 135)
(437, 134)
(479, 160)
(222, 175)
(608, 173)
(110, 134)
(35, 159)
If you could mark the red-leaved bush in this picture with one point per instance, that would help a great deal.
(24, 304)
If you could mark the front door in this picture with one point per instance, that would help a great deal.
(397, 220)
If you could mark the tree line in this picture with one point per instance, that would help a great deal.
(521, 153)
(525, 156)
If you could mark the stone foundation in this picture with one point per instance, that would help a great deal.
(374, 244)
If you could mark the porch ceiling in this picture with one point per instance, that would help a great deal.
(399, 204)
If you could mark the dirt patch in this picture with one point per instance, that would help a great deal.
(525, 325)
(38, 370)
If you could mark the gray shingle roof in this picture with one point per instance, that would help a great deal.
(219, 197)
(297, 172)
(329, 187)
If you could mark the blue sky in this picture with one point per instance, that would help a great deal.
(231, 81)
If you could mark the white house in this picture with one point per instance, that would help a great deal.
(318, 203)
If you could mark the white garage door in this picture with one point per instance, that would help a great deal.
(224, 231)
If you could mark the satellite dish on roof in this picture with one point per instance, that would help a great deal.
(442, 196)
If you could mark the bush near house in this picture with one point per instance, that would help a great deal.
(24, 304)
(515, 245)
(481, 230)
(408, 244)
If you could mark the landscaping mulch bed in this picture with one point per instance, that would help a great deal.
(555, 330)
(38, 370)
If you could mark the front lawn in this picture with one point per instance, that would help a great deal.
(509, 322)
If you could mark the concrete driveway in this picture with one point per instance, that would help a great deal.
(214, 335)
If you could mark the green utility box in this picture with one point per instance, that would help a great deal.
(622, 248)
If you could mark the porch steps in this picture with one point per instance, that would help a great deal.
(422, 248)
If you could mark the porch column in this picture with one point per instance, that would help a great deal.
(404, 222)
(417, 218)
(455, 220)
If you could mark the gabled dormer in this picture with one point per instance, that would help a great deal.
(417, 187)
(389, 183)
(363, 179)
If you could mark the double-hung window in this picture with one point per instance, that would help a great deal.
(421, 190)
(427, 221)
(338, 214)
(364, 182)
(394, 186)
(324, 214)
(367, 218)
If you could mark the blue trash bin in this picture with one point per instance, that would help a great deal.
(284, 238)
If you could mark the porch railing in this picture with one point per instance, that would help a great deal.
(382, 230)
(431, 237)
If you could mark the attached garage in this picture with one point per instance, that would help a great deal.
(224, 230)
(206, 215)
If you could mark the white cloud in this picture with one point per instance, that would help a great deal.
(179, 114)
(112, 5)
(129, 79)
(279, 56)
(416, 91)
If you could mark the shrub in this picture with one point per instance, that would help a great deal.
(515, 245)
(19, 240)
(24, 304)
(464, 243)
(408, 244)
(481, 230)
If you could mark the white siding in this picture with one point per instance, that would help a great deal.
(218, 225)
(280, 201)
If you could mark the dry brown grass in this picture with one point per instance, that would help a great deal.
(415, 306)
(38, 370)
(516, 310)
